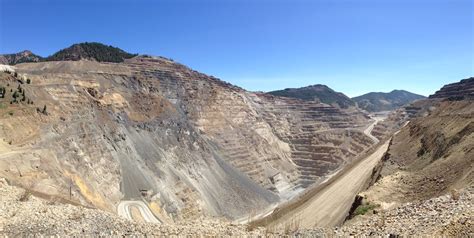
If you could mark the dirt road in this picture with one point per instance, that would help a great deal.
(330, 206)
(124, 210)
(368, 130)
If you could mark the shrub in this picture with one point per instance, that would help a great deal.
(25, 196)
(364, 208)
(15, 95)
(44, 110)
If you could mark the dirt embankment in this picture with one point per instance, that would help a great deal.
(328, 204)
(430, 157)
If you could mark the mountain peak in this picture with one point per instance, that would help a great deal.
(318, 92)
(24, 56)
(378, 101)
(91, 51)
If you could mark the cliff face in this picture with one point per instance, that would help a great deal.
(187, 143)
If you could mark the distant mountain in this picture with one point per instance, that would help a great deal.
(91, 51)
(316, 92)
(376, 102)
(88, 51)
(21, 57)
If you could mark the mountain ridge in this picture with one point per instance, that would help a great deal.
(24, 56)
(316, 92)
(381, 101)
(94, 51)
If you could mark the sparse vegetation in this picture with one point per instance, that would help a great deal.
(22, 57)
(15, 95)
(364, 208)
(25, 196)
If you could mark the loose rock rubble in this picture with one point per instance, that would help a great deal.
(444, 216)
(22, 215)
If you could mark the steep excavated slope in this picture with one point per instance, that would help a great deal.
(426, 178)
(457, 91)
(316, 92)
(377, 102)
(186, 143)
(431, 156)
(434, 154)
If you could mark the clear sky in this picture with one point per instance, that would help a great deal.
(353, 46)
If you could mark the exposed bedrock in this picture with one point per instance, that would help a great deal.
(187, 143)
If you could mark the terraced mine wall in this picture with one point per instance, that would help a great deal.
(463, 89)
(186, 143)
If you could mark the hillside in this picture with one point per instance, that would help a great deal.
(189, 145)
(429, 164)
(91, 51)
(318, 92)
(463, 89)
(18, 58)
(87, 51)
(377, 101)
(90, 137)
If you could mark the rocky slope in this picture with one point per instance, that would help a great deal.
(18, 58)
(457, 91)
(318, 92)
(188, 144)
(376, 102)
(443, 216)
(24, 214)
(428, 162)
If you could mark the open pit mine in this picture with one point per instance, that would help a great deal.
(150, 146)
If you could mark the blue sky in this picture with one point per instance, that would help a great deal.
(353, 46)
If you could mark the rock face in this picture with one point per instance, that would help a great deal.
(152, 129)
(457, 91)
(376, 102)
(318, 92)
(22, 57)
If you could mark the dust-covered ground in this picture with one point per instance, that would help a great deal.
(23, 214)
